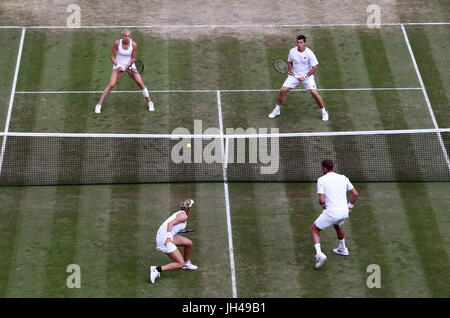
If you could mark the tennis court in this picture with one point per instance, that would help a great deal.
(251, 239)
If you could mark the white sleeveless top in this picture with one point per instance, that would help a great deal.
(162, 231)
(123, 57)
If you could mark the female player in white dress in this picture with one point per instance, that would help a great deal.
(123, 55)
(167, 241)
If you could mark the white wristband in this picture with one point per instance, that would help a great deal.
(169, 235)
(350, 206)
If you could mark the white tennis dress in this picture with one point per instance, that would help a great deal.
(161, 236)
(123, 57)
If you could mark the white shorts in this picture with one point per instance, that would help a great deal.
(169, 248)
(293, 82)
(324, 220)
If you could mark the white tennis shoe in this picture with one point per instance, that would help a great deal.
(151, 107)
(153, 274)
(325, 116)
(189, 265)
(341, 251)
(320, 259)
(98, 109)
(274, 113)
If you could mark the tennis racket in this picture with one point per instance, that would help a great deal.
(187, 231)
(281, 66)
(139, 67)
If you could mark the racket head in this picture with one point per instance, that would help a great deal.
(281, 66)
(139, 67)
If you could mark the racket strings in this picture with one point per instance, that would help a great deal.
(281, 66)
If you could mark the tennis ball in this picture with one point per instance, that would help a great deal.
(189, 145)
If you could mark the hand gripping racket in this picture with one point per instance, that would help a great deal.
(139, 67)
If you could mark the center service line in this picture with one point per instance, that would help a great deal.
(227, 198)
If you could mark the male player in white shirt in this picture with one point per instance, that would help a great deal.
(123, 55)
(167, 241)
(332, 189)
(303, 64)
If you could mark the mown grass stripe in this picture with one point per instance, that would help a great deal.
(431, 48)
(122, 242)
(63, 237)
(31, 77)
(427, 239)
(9, 226)
(249, 265)
(10, 43)
(406, 272)
(92, 240)
(32, 243)
(277, 241)
(211, 249)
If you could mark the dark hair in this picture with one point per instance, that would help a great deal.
(327, 164)
(301, 37)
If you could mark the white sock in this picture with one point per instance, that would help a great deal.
(324, 111)
(342, 244)
(145, 92)
(317, 247)
(277, 107)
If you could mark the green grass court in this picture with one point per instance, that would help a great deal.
(109, 230)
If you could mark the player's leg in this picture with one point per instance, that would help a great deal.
(179, 240)
(138, 79)
(112, 82)
(341, 249)
(321, 223)
(315, 94)
(281, 95)
(174, 254)
(315, 233)
(177, 261)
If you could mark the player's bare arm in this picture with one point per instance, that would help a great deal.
(311, 72)
(322, 200)
(114, 49)
(291, 67)
(353, 199)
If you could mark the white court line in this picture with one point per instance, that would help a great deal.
(218, 25)
(11, 99)
(226, 90)
(425, 94)
(227, 198)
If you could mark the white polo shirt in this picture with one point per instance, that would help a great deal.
(335, 187)
(302, 61)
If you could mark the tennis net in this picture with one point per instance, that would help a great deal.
(370, 156)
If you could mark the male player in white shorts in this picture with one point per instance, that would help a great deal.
(167, 241)
(303, 64)
(332, 189)
(123, 55)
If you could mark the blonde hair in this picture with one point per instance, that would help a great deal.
(187, 204)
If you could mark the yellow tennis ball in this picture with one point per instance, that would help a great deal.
(189, 145)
